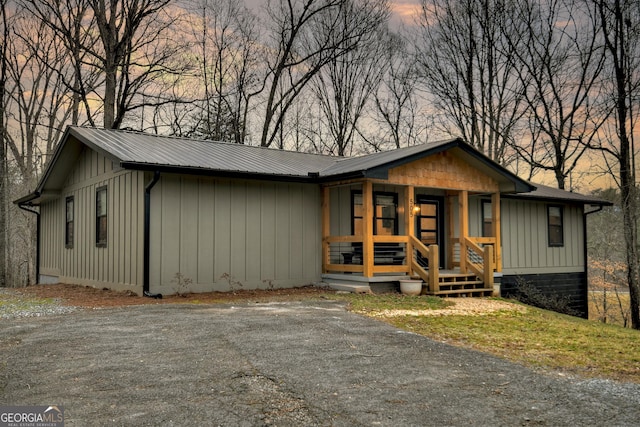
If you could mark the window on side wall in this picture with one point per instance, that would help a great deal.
(555, 222)
(68, 231)
(101, 216)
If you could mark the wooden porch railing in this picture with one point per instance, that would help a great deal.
(430, 276)
(328, 265)
(480, 260)
(487, 241)
(348, 251)
(480, 242)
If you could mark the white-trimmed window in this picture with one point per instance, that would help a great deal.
(555, 223)
(487, 219)
(69, 220)
(101, 216)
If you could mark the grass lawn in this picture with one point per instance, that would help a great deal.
(534, 337)
(15, 304)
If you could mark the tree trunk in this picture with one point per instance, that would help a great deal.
(628, 200)
(3, 154)
(614, 26)
(109, 95)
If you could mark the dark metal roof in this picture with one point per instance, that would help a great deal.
(139, 151)
(135, 150)
(543, 192)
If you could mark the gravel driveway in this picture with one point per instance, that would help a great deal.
(294, 363)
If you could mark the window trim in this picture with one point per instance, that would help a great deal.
(354, 193)
(102, 243)
(375, 218)
(484, 203)
(69, 236)
(559, 244)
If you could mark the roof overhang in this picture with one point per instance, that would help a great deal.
(508, 181)
(568, 197)
(152, 167)
(36, 198)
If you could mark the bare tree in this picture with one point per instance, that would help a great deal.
(228, 56)
(346, 82)
(607, 268)
(36, 110)
(396, 105)
(560, 59)
(3, 132)
(129, 50)
(303, 36)
(463, 66)
(39, 102)
(621, 33)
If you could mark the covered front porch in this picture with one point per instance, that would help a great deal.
(376, 232)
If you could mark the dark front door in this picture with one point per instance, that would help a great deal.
(430, 225)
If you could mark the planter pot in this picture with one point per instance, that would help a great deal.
(411, 287)
(496, 290)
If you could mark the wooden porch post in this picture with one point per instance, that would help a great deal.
(450, 231)
(367, 232)
(326, 228)
(463, 214)
(409, 222)
(487, 258)
(495, 214)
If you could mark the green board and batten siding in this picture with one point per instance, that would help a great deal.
(230, 233)
(525, 247)
(119, 264)
(222, 234)
(525, 239)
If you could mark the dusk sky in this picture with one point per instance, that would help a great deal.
(402, 9)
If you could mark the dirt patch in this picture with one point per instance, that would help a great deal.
(461, 307)
(88, 297)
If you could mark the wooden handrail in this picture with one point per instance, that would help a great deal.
(390, 239)
(483, 240)
(343, 239)
(431, 253)
(358, 239)
(472, 245)
(419, 246)
(486, 241)
(484, 269)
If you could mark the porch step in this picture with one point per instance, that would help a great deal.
(477, 292)
(456, 277)
(461, 284)
(356, 289)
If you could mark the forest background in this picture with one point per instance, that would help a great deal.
(550, 89)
